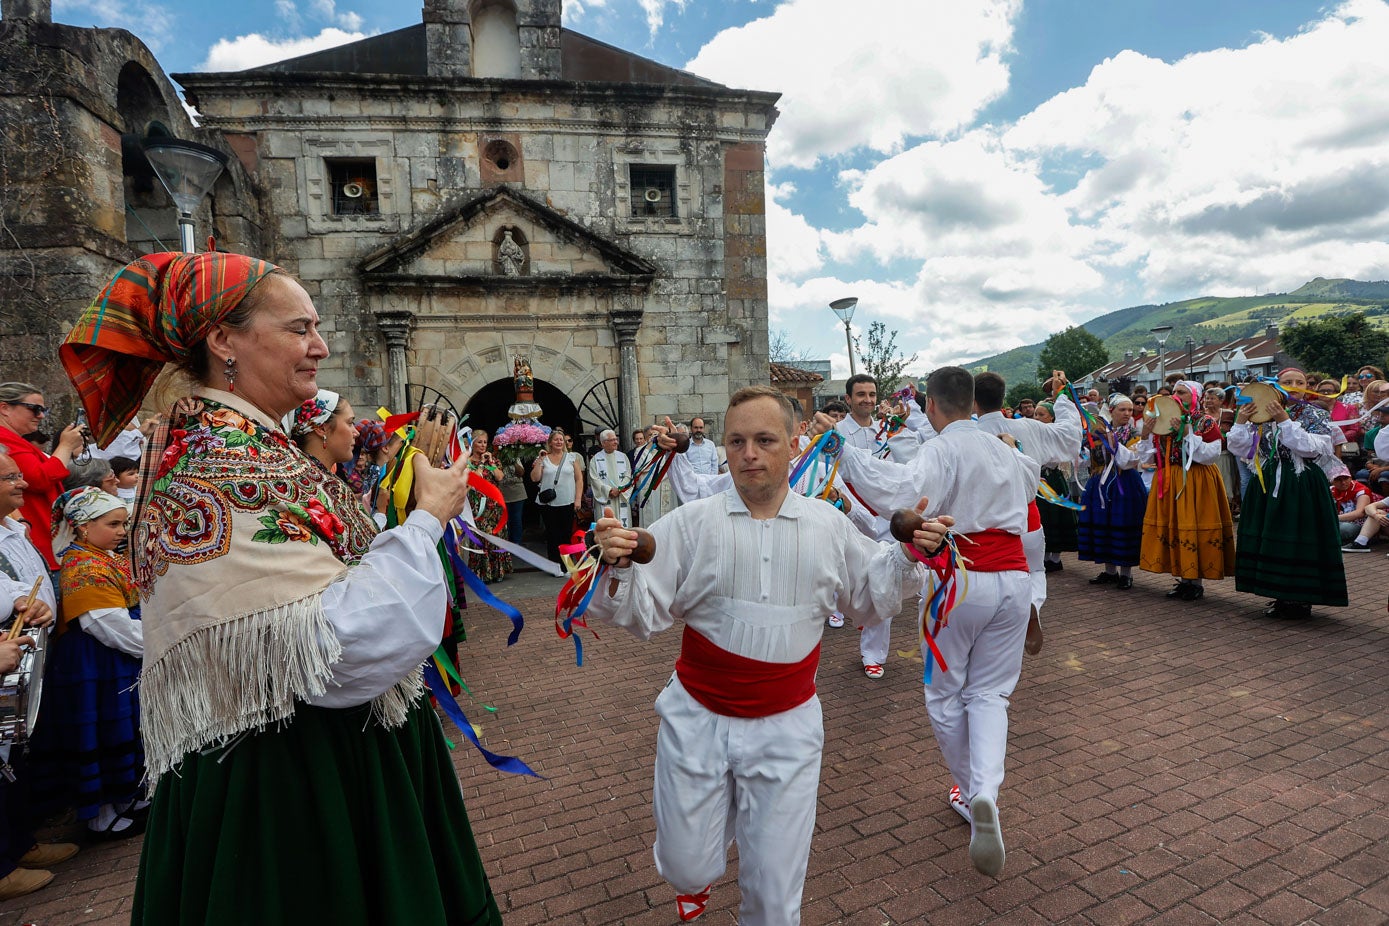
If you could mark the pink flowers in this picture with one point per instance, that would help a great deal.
(521, 432)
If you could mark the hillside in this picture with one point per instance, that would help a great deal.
(1208, 318)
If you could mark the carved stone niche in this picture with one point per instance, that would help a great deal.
(499, 159)
(511, 252)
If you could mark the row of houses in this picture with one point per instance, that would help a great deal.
(1233, 361)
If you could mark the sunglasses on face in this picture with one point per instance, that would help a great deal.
(1364, 376)
(40, 410)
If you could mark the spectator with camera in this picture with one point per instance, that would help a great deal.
(22, 412)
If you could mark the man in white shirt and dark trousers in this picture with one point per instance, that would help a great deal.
(987, 486)
(752, 572)
(703, 455)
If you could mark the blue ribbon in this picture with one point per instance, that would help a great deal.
(509, 764)
(479, 588)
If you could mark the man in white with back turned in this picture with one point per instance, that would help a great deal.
(752, 572)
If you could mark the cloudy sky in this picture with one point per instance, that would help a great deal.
(980, 173)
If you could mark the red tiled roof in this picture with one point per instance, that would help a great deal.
(781, 373)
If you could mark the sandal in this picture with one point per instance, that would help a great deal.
(691, 906)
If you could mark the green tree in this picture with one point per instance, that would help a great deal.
(1074, 351)
(882, 360)
(1338, 344)
(1019, 391)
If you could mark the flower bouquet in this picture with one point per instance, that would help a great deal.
(520, 441)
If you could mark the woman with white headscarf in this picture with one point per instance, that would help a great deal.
(1187, 530)
(1110, 527)
(323, 429)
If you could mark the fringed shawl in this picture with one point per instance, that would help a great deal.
(240, 536)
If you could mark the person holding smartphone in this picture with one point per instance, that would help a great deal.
(560, 475)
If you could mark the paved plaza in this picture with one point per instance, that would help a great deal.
(1172, 764)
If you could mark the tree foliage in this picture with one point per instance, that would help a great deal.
(1074, 351)
(781, 349)
(1338, 343)
(882, 360)
(1019, 391)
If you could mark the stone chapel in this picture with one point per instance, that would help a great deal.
(482, 185)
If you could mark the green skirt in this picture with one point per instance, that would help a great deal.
(1058, 522)
(328, 819)
(1289, 547)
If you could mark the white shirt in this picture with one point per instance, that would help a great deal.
(965, 472)
(1382, 444)
(130, 444)
(690, 485)
(758, 588)
(703, 456)
(560, 478)
(26, 562)
(901, 446)
(1048, 444)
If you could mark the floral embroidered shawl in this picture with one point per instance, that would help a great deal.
(92, 578)
(240, 536)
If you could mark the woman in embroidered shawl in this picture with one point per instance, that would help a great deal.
(86, 751)
(1187, 530)
(1289, 545)
(299, 773)
(1110, 528)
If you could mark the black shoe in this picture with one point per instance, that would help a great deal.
(1125, 583)
(1178, 590)
(1049, 566)
(1105, 578)
(1191, 591)
(1289, 609)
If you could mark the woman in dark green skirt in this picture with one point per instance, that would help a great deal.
(1059, 524)
(299, 773)
(1288, 547)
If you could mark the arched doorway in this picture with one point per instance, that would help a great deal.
(487, 408)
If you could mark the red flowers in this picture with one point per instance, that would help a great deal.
(328, 524)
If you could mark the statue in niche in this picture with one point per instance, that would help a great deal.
(510, 255)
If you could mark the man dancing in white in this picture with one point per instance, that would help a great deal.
(987, 486)
(752, 572)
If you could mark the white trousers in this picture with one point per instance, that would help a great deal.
(1034, 545)
(968, 704)
(750, 780)
(874, 642)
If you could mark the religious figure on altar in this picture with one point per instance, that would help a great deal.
(510, 256)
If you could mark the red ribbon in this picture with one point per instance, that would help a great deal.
(492, 493)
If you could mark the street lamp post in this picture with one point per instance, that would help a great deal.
(1190, 349)
(188, 170)
(1225, 354)
(1161, 332)
(844, 308)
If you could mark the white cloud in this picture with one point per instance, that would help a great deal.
(254, 50)
(574, 11)
(656, 11)
(327, 10)
(872, 73)
(152, 23)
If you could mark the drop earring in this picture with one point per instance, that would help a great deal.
(229, 372)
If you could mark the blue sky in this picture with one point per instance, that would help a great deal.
(981, 173)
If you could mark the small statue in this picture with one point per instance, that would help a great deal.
(525, 383)
(510, 256)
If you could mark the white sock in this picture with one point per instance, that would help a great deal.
(1111, 569)
(1126, 571)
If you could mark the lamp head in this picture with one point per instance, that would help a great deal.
(187, 169)
(844, 308)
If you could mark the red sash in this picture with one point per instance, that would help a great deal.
(1034, 517)
(736, 686)
(994, 550)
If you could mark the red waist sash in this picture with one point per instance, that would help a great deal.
(736, 686)
(994, 550)
(1034, 517)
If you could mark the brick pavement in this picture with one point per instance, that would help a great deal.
(1169, 764)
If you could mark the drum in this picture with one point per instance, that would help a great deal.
(1162, 410)
(20, 692)
(1260, 394)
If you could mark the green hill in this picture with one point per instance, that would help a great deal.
(1208, 318)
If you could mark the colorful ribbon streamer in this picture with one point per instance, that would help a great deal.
(446, 701)
(586, 569)
(947, 572)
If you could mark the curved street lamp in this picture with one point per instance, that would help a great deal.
(1161, 332)
(844, 308)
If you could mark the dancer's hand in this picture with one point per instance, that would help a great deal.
(820, 424)
(665, 434)
(38, 614)
(929, 537)
(10, 651)
(1276, 409)
(615, 542)
(441, 492)
(1244, 413)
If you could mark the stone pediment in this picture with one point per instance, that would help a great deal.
(504, 239)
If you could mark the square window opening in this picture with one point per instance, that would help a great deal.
(653, 191)
(352, 182)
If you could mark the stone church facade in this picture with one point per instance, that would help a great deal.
(487, 184)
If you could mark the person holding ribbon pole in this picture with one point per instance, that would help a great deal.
(753, 573)
(299, 773)
(978, 646)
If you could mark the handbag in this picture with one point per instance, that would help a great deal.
(545, 496)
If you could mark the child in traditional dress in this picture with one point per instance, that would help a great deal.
(87, 748)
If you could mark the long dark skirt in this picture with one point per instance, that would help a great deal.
(1058, 522)
(1110, 529)
(1288, 546)
(329, 819)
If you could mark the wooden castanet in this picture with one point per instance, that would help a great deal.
(905, 523)
(682, 441)
(646, 547)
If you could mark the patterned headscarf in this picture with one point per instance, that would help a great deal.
(156, 310)
(371, 436)
(1196, 392)
(80, 506)
(314, 412)
(1118, 398)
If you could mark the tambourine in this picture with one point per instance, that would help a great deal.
(1259, 395)
(1163, 409)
